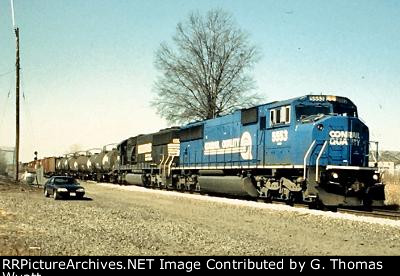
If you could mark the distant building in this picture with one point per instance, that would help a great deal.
(384, 165)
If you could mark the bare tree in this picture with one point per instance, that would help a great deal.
(74, 148)
(206, 74)
(3, 162)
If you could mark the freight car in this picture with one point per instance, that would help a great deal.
(309, 149)
(94, 164)
(49, 166)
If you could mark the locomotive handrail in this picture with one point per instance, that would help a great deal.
(161, 167)
(317, 161)
(305, 158)
(169, 166)
(376, 155)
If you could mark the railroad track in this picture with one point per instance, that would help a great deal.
(379, 213)
(391, 212)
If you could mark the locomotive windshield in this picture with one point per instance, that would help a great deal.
(306, 111)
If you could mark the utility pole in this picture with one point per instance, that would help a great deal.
(17, 67)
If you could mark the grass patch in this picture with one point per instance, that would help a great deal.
(392, 188)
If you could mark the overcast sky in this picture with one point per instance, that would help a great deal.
(88, 65)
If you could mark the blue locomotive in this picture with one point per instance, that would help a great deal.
(310, 149)
(304, 149)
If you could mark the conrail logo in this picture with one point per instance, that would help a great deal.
(240, 145)
(245, 141)
(342, 138)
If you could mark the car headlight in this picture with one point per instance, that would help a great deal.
(62, 190)
(80, 190)
(335, 175)
(375, 177)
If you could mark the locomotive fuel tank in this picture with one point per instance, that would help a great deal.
(134, 179)
(233, 185)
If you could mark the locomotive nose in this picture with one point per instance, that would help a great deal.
(347, 139)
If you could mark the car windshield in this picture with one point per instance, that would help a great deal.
(64, 181)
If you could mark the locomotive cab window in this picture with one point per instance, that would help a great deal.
(280, 115)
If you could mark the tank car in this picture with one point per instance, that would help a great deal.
(102, 164)
(91, 164)
(73, 164)
(82, 170)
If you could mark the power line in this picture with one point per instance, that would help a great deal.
(28, 114)
(5, 105)
(6, 73)
(4, 111)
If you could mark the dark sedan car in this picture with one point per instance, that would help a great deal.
(63, 187)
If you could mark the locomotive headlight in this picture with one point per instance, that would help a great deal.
(375, 177)
(320, 127)
(335, 175)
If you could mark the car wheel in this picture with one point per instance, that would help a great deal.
(55, 195)
(46, 193)
(79, 196)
